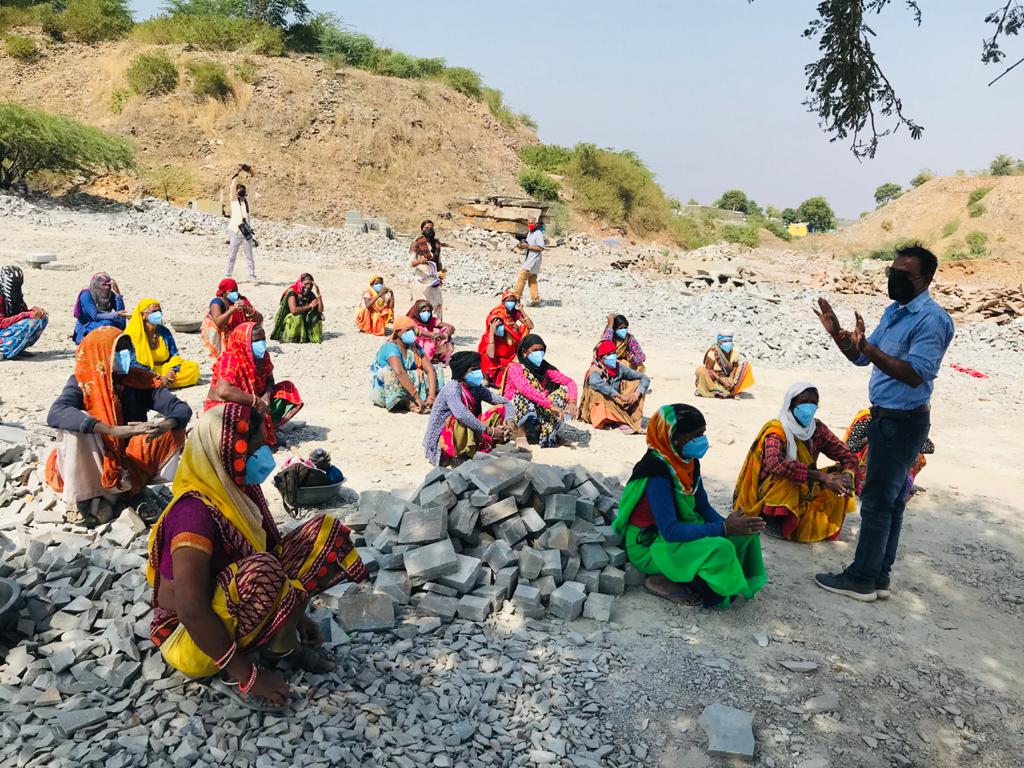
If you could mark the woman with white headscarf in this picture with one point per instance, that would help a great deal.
(780, 480)
(724, 373)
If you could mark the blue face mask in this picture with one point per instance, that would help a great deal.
(123, 361)
(259, 466)
(510, 305)
(696, 448)
(425, 316)
(409, 337)
(259, 349)
(622, 333)
(377, 287)
(499, 330)
(536, 358)
(726, 346)
(232, 296)
(804, 413)
(475, 377)
(611, 361)
(156, 318)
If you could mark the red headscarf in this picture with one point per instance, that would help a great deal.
(297, 285)
(238, 366)
(603, 349)
(226, 286)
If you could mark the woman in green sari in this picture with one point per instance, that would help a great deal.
(300, 318)
(690, 553)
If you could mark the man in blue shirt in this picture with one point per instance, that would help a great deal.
(906, 350)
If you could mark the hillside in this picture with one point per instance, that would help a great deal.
(321, 140)
(936, 214)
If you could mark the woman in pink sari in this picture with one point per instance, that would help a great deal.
(434, 336)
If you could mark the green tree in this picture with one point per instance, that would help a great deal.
(887, 192)
(1003, 165)
(790, 215)
(735, 200)
(91, 21)
(276, 13)
(538, 185)
(818, 214)
(32, 140)
(921, 178)
(773, 212)
(151, 74)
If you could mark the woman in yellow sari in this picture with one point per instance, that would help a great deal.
(226, 582)
(155, 348)
(724, 373)
(780, 481)
(377, 309)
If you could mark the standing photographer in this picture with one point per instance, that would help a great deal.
(240, 226)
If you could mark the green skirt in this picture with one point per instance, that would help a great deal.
(729, 565)
(307, 328)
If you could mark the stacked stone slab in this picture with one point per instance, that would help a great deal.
(496, 528)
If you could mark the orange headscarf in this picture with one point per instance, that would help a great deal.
(237, 364)
(511, 324)
(94, 371)
(659, 439)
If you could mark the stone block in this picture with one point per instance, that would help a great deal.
(598, 606)
(499, 554)
(474, 608)
(552, 564)
(730, 731)
(571, 567)
(332, 597)
(593, 557)
(383, 508)
(545, 479)
(566, 602)
(532, 520)
(440, 589)
(423, 526)
(438, 496)
(507, 578)
(585, 509)
(521, 491)
(495, 513)
(462, 519)
(366, 612)
(394, 584)
(611, 538)
(526, 596)
(546, 585)
(612, 581)
(392, 561)
(457, 482)
(495, 475)
(70, 721)
(512, 530)
(561, 537)
(480, 499)
(427, 563)
(616, 556)
(493, 593)
(438, 605)
(589, 491)
(560, 507)
(634, 576)
(465, 578)
(605, 504)
(530, 563)
(385, 541)
(590, 579)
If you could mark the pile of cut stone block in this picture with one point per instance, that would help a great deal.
(495, 529)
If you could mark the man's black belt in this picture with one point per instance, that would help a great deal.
(894, 413)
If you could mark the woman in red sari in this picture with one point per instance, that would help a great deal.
(243, 374)
(507, 325)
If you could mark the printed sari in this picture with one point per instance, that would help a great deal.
(303, 328)
(737, 372)
(504, 346)
(164, 358)
(373, 319)
(263, 578)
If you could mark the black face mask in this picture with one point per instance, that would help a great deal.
(901, 287)
(429, 233)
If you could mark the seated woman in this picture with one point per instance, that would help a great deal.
(724, 373)
(401, 375)
(434, 336)
(690, 552)
(457, 429)
(244, 374)
(227, 310)
(155, 348)
(378, 308)
(20, 326)
(226, 583)
(541, 398)
(856, 440)
(507, 324)
(627, 348)
(780, 480)
(300, 318)
(98, 306)
(106, 447)
(613, 393)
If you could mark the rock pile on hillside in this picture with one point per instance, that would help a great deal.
(496, 529)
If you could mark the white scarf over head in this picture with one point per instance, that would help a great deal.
(794, 429)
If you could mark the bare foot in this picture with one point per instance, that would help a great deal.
(669, 590)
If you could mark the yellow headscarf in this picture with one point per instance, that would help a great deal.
(201, 471)
(136, 331)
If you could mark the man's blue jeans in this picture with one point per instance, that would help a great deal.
(894, 442)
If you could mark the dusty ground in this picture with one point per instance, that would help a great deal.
(931, 678)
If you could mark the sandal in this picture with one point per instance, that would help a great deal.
(247, 700)
(773, 530)
(308, 658)
(677, 593)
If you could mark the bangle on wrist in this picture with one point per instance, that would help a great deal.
(226, 658)
(246, 686)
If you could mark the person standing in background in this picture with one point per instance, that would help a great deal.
(534, 246)
(427, 270)
(240, 232)
(906, 350)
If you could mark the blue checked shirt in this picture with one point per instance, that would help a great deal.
(919, 333)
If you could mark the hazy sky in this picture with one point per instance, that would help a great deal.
(709, 93)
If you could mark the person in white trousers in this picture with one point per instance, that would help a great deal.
(240, 213)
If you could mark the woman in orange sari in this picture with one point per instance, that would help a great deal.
(244, 374)
(507, 325)
(106, 447)
(377, 310)
(227, 310)
(724, 373)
